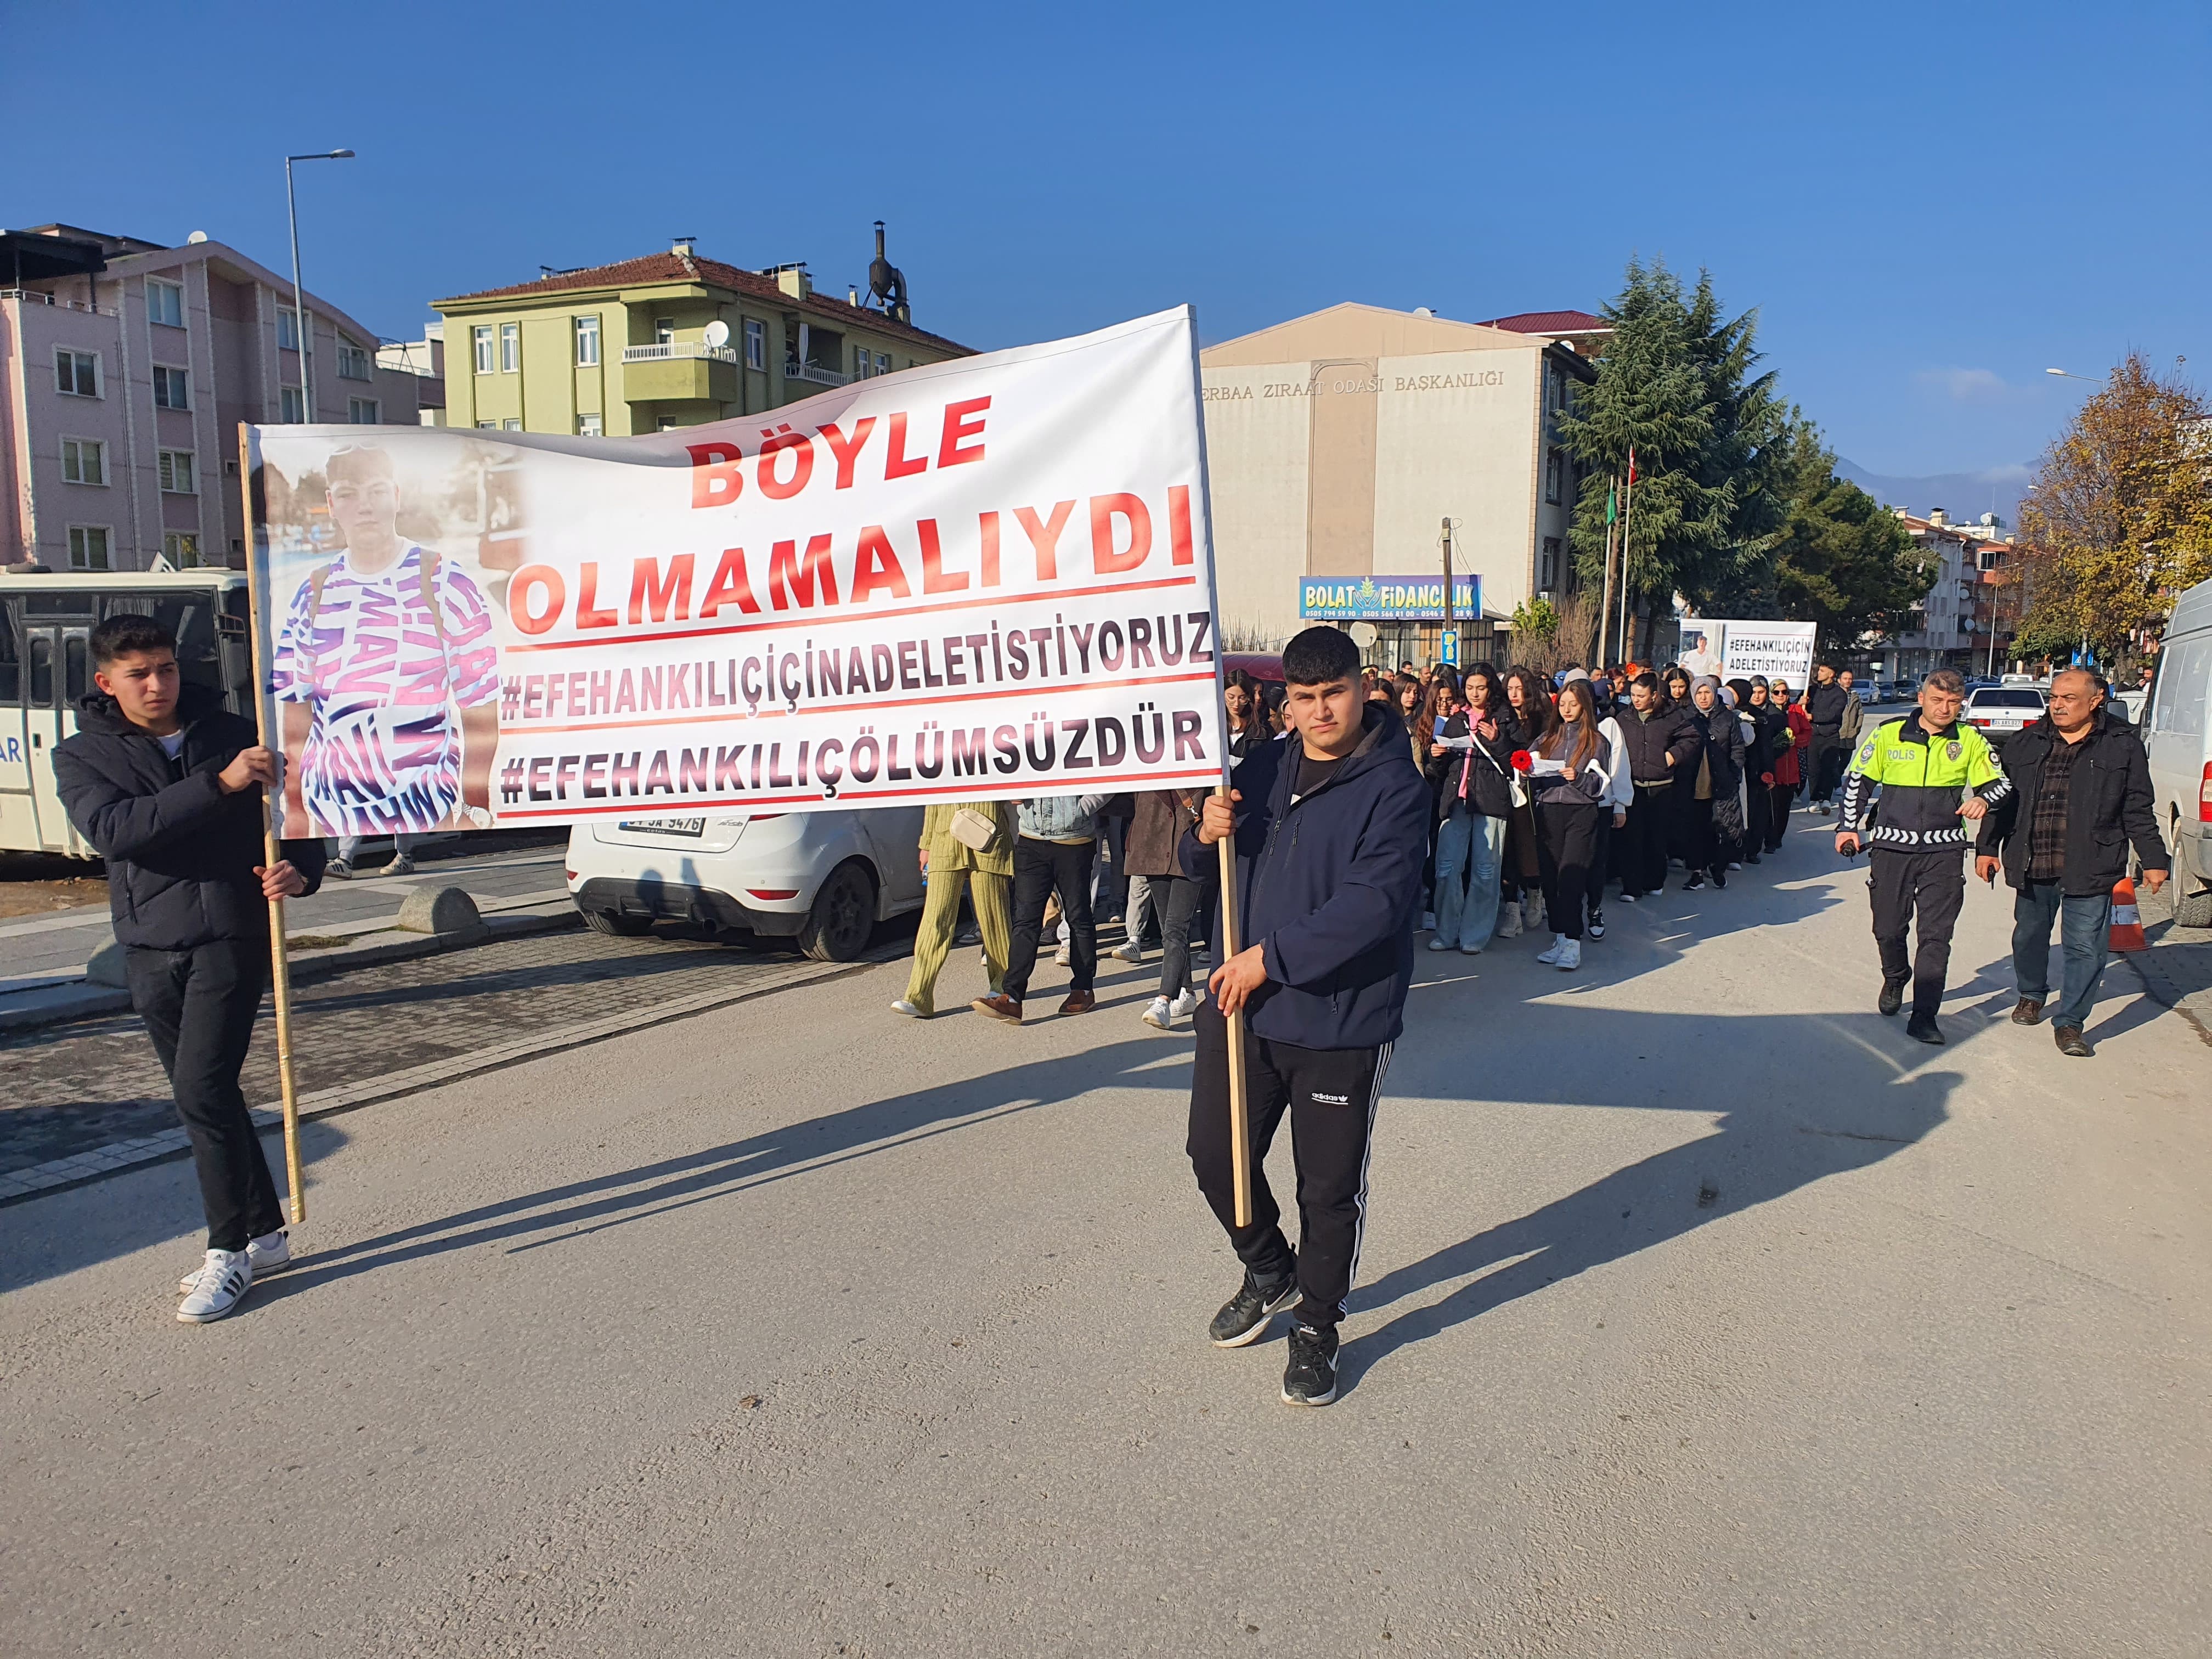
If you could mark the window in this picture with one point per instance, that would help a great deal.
(664, 331)
(291, 405)
(77, 373)
(882, 362)
(287, 330)
(164, 302)
(172, 388)
(482, 335)
(364, 411)
(587, 342)
(667, 423)
(1555, 470)
(84, 461)
(181, 548)
(510, 347)
(756, 343)
(590, 426)
(88, 545)
(510, 426)
(486, 426)
(1549, 578)
(353, 360)
(175, 466)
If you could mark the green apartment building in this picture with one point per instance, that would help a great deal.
(632, 347)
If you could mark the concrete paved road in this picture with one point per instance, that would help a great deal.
(1701, 1313)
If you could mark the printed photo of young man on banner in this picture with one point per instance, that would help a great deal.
(990, 574)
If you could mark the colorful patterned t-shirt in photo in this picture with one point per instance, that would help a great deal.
(384, 749)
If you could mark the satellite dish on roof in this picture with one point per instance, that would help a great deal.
(717, 333)
(196, 236)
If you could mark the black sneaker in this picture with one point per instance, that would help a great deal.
(1720, 877)
(1892, 998)
(1597, 927)
(1311, 1377)
(1697, 880)
(1243, 1318)
(1924, 1028)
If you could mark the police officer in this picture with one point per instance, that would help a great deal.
(1932, 773)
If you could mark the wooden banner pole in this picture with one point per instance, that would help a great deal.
(1240, 1115)
(280, 962)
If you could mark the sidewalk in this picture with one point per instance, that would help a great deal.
(2177, 970)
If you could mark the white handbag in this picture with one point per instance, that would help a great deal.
(973, 830)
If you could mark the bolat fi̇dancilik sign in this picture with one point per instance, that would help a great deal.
(985, 577)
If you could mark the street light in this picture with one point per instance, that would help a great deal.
(299, 304)
(2064, 375)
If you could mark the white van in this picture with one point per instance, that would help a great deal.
(2179, 740)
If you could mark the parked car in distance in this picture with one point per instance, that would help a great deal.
(1865, 692)
(2001, 710)
(2178, 735)
(2132, 702)
(823, 878)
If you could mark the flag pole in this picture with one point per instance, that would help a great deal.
(1605, 604)
(1627, 521)
(280, 962)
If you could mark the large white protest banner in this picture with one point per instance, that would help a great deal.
(990, 576)
(1768, 648)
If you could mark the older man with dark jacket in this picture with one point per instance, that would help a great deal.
(2082, 793)
(166, 783)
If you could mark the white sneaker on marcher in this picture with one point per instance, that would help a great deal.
(1509, 920)
(1130, 951)
(1065, 956)
(271, 1252)
(1571, 956)
(1438, 942)
(1160, 1014)
(903, 1006)
(1558, 949)
(1184, 1005)
(221, 1284)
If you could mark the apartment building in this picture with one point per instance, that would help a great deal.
(665, 341)
(1968, 617)
(125, 367)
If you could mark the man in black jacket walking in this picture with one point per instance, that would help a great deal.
(2083, 792)
(1827, 705)
(166, 784)
(1331, 830)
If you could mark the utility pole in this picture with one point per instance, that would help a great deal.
(299, 303)
(1447, 594)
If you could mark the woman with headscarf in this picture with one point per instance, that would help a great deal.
(1572, 781)
(1757, 776)
(1761, 781)
(1528, 699)
(1475, 808)
(1715, 817)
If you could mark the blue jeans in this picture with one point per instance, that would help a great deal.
(2083, 932)
(1467, 913)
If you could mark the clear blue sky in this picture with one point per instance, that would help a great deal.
(1930, 203)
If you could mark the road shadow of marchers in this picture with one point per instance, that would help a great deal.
(1795, 1100)
(49, 1234)
(575, 1209)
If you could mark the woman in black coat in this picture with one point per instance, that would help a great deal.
(1714, 819)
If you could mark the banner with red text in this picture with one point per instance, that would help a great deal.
(991, 577)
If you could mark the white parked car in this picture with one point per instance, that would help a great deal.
(2001, 710)
(824, 878)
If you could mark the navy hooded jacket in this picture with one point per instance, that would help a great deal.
(1329, 887)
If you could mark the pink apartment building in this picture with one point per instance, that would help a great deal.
(124, 369)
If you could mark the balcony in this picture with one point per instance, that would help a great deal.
(679, 370)
(32, 296)
(815, 374)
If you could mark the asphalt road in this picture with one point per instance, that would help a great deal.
(1701, 1313)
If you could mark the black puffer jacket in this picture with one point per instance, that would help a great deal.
(1724, 752)
(1659, 745)
(180, 852)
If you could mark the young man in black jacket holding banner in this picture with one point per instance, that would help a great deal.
(166, 783)
(1332, 830)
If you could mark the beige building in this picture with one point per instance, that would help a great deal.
(1339, 443)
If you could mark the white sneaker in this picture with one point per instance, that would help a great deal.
(1571, 956)
(1558, 949)
(1439, 943)
(1065, 956)
(271, 1252)
(1184, 1005)
(1131, 952)
(221, 1283)
(903, 1006)
(1509, 920)
(1160, 1014)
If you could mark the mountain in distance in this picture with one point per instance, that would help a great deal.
(1964, 496)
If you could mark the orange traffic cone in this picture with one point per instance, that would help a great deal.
(2127, 932)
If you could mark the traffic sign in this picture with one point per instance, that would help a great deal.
(1451, 648)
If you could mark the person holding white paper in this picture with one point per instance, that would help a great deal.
(1569, 776)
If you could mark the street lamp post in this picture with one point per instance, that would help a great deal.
(299, 303)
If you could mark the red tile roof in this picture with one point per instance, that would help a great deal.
(712, 273)
(1550, 322)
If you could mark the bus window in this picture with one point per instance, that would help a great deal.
(191, 618)
(11, 660)
(42, 670)
(42, 602)
(77, 667)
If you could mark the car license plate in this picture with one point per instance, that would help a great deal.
(664, 826)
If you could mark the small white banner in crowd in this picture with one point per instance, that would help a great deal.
(985, 577)
(1736, 650)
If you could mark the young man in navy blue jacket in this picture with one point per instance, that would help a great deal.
(1332, 830)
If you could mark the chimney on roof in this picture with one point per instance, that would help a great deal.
(682, 246)
(794, 281)
(1937, 518)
